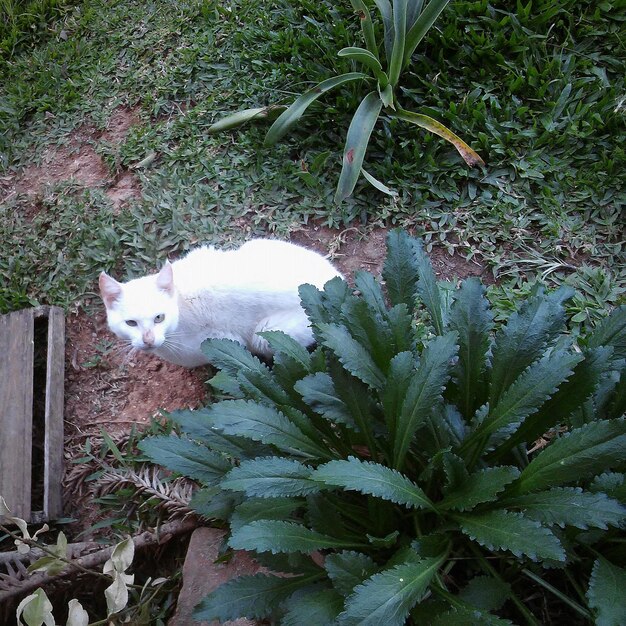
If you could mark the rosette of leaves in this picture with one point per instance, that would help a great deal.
(387, 53)
(393, 473)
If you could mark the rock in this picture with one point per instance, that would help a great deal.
(201, 575)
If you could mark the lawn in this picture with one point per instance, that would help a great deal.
(537, 90)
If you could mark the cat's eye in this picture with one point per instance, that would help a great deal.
(131, 323)
(159, 318)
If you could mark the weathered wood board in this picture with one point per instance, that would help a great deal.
(17, 362)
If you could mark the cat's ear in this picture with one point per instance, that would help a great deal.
(110, 289)
(165, 279)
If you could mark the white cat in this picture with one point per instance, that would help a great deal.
(230, 294)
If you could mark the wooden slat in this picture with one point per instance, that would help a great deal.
(53, 444)
(16, 405)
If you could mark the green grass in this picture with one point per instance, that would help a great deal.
(537, 89)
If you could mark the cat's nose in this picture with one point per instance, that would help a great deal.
(148, 337)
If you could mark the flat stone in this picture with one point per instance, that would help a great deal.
(202, 575)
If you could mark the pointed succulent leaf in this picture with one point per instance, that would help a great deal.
(387, 597)
(357, 140)
(569, 506)
(265, 424)
(399, 36)
(290, 117)
(611, 331)
(280, 536)
(423, 392)
(317, 605)
(347, 569)
(352, 355)
(481, 486)
(318, 392)
(503, 530)
(361, 9)
(524, 338)
(421, 26)
(284, 344)
(471, 318)
(253, 509)
(186, 457)
(372, 479)
(365, 57)
(578, 454)
(271, 477)
(400, 270)
(606, 593)
(470, 156)
(384, 6)
(241, 117)
(254, 597)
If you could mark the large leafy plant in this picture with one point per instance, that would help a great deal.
(387, 53)
(420, 464)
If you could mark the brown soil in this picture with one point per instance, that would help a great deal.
(78, 162)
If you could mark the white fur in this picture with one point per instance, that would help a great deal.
(231, 294)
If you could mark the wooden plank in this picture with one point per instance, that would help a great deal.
(53, 444)
(16, 405)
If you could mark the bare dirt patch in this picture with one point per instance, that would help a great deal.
(78, 161)
(110, 388)
(358, 248)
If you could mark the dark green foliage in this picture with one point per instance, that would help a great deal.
(407, 459)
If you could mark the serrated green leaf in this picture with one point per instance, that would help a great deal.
(186, 457)
(424, 390)
(578, 454)
(463, 616)
(527, 393)
(226, 384)
(271, 477)
(284, 344)
(471, 318)
(214, 502)
(294, 112)
(319, 606)
(578, 388)
(400, 270)
(481, 486)
(427, 287)
(373, 479)
(281, 536)
(401, 368)
(357, 140)
(253, 509)
(254, 597)
(312, 300)
(387, 597)
(347, 569)
(265, 424)
(611, 331)
(503, 530)
(352, 355)
(318, 392)
(485, 593)
(606, 593)
(569, 506)
(613, 484)
(231, 356)
(524, 338)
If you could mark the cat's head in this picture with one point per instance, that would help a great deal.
(142, 311)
